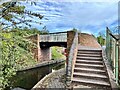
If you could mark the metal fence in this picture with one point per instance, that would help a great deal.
(113, 53)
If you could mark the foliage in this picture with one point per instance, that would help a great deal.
(15, 13)
(76, 30)
(7, 60)
(16, 52)
(57, 53)
(16, 49)
(101, 40)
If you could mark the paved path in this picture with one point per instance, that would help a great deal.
(55, 81)
(52, 80)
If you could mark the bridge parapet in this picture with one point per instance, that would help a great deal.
(54, 37)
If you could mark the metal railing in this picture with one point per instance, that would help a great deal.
(112, 52)
(72, 57)
(55, 37)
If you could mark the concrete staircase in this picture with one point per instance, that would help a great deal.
(89, 69)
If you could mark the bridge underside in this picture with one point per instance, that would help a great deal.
(50, 44)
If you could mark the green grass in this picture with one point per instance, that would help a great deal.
(57, 53)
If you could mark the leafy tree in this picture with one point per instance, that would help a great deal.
(15, 50)
(15, 13)
(101, 39)
(44, 30)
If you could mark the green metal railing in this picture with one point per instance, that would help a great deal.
(112, 52)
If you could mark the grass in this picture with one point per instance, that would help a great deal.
(57, 53)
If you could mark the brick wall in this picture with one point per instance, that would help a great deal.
(40, 54)
(70, 37)
(45, 54)
(35, 51)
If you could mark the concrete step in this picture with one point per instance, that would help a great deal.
(89, 55)
(89, 58)
(90, 81)
(88, 52)
(89, 61)
(90, 75)
(90, 70)
(89, 65)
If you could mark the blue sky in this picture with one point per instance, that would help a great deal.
(90, 17)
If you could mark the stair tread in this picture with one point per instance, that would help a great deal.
(80, 47)
(89, 74)
(91, 81)
(89, 57)
(93, 65)
(90, 69)
(94, 61)
(88, 54)
(89, 49)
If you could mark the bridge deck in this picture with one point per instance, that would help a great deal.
(55, 37)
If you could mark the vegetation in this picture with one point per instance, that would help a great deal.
(14, 15)
(15, 50)
(101, 39)
(57, 53)
(16, 53)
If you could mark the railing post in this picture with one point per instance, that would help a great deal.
(108, 46)
(116, 60)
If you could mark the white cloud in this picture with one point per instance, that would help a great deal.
(90, 17)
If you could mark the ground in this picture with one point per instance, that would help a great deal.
(88, 40)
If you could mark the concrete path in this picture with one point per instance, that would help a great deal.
(52, 80)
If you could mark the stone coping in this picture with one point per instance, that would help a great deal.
(45, 63)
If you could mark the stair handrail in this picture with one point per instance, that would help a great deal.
(72, 57)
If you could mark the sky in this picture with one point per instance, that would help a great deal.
(87, 16)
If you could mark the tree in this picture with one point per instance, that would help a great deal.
(101, 38)
(44, 30)
(14, 48)
(15, 14)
